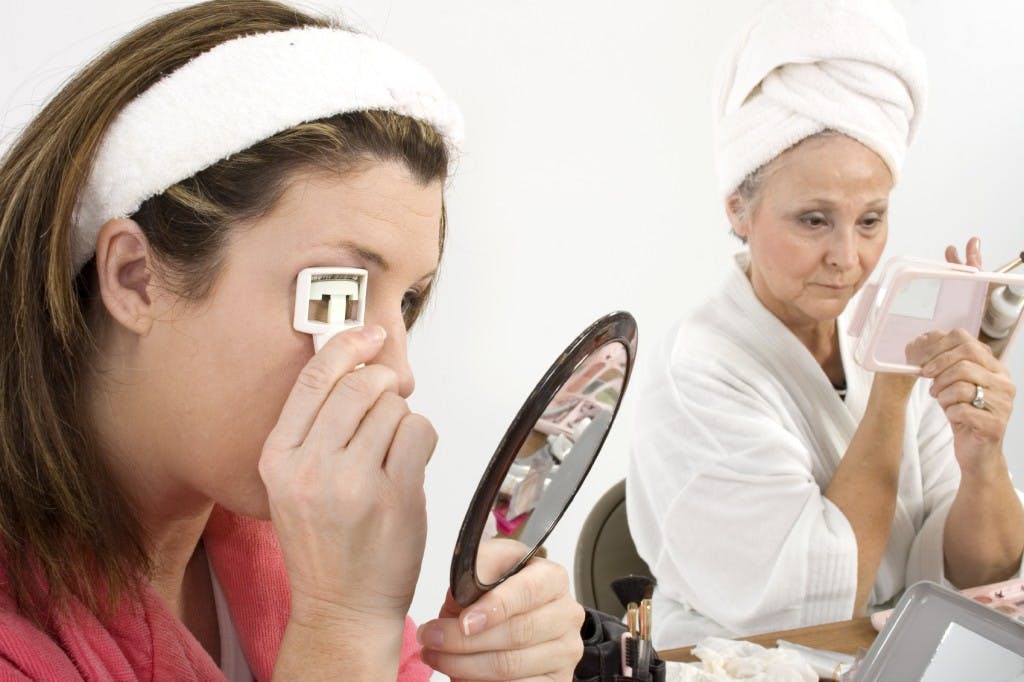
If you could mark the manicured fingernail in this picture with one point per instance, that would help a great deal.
(374, 332)
(430, 636)
(473, 622)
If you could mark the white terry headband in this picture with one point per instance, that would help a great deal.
(240, 93)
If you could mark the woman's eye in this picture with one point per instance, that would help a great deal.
(871, 222)
(412, 304)
(409, 299)
(814, 220)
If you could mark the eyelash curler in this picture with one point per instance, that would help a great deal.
(329, 301)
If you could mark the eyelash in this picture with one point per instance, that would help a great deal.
(818, 221)
(815, 221)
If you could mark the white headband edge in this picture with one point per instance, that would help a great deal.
(238, 94)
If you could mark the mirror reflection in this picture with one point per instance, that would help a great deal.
(963, 654)
(555, 456)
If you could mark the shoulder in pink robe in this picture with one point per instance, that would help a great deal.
(144, 641)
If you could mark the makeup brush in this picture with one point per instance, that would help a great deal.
(1012, 264)
(633, 588)
(644, 648)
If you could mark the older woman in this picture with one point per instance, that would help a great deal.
(773, 483)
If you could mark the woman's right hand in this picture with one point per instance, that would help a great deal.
(344, 470)
(526, 628)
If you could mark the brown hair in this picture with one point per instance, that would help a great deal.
(66, 529)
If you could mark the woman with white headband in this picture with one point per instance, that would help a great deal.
(188, 491)
(774, 483)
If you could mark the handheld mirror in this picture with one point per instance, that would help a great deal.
(544, 455)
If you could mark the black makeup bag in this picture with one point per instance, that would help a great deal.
(602, 651)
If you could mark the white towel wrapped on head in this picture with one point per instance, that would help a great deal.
(804, 66)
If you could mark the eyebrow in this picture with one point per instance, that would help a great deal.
(873, 204)
(364, 253)
(373, 257)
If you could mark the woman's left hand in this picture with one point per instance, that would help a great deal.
(959, 364)
(972, 253)
(527, 628)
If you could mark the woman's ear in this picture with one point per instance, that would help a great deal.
(123, 271)
(737, 211)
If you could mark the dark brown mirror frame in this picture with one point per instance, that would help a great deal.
(614, 327)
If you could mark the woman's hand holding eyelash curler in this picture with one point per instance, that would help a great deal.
(344, 470)
(526, 628)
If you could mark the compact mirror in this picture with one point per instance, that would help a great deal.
(913, 297)
(544, 456)
(937, 635)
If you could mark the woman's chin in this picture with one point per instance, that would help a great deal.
(827, 310)
(254, 504)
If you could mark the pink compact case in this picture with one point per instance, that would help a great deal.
(912, 297)
(1006, 597)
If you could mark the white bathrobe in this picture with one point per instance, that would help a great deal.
(738, 433)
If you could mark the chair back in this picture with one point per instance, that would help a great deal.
(605, 551)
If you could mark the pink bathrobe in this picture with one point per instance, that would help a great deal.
(146, 642)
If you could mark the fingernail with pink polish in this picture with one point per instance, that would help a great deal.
(473, 622)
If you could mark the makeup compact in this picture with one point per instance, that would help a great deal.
(545, 454)
(912, 297)
(937, 635)
(1006, 597)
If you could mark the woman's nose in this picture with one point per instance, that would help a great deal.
(395, 355)
(842, 251)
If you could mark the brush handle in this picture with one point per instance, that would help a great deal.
(642, 671)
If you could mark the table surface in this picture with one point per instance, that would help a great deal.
(846, 636)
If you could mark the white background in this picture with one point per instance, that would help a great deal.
(586, 185)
